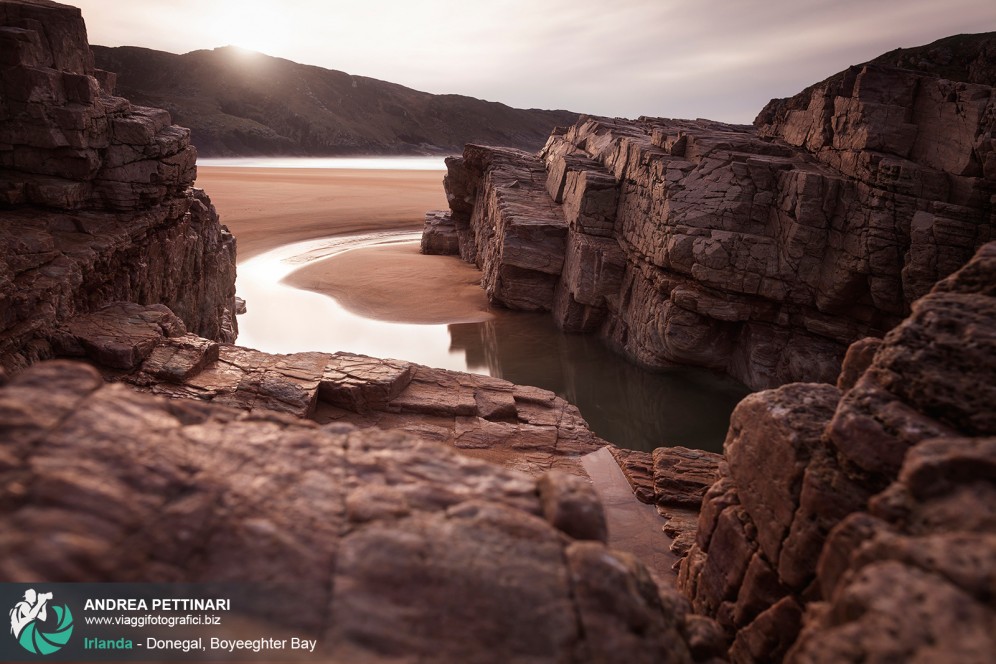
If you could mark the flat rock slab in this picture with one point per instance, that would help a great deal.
(119, 336)
(682, 475)
(397, 547)
(522, 427)
(177, 359)
(432, 398)
(246, 378)
(360, 384)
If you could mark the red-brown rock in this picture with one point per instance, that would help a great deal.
(762, 251)
(404, 548)
(96, 196)
(867, 512)
(522, 427)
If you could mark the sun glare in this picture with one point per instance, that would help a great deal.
(254, 26)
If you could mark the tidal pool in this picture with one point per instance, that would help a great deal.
(623, 403)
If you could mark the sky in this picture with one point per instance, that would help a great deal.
(717, 59)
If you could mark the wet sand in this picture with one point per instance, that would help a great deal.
(368, 282)
(269, 207)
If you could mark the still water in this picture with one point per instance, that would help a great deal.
(624, 404)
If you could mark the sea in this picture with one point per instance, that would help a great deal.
(360, 163)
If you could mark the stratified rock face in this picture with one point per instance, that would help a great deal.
(675, 480)
(404, 548)
(95, 196)
(908, 441)
(968, 57)
(762, 251)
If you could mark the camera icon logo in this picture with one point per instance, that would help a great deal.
(30, 624)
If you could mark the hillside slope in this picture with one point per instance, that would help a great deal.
(237, 102)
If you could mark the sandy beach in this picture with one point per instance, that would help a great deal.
(270, 207)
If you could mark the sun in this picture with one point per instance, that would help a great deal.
(253, 26)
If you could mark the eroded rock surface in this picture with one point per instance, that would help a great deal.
(95, 195)
(865, 513)
(760, 250)
(847, 523)
(912, 579)
(149, 348)
(410, 549)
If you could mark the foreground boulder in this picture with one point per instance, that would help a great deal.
(861, 515)
(95, 195)
(408, 549)
(911, 580)
(762, 251)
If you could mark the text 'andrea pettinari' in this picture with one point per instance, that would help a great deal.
(157, 604)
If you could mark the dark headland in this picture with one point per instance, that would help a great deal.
(243, 103)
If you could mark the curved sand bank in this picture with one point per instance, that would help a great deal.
(398, 283)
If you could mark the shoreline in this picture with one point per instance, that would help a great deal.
(269, 207)
(266, 208)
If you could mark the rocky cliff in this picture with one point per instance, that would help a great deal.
(762, 251)
(970, 58)
(862, 514)
(241, 103)
(95, 195)
(849, 519)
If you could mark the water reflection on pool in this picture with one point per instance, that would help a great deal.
(624, 404)
(284, 319)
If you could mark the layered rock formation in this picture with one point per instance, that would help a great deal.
(521, 427)
(95, 195)
(864, 511)
(675, 480)
(394, 547)
(761, 251)
(241, 103)
(765, 251)
(970, 58)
